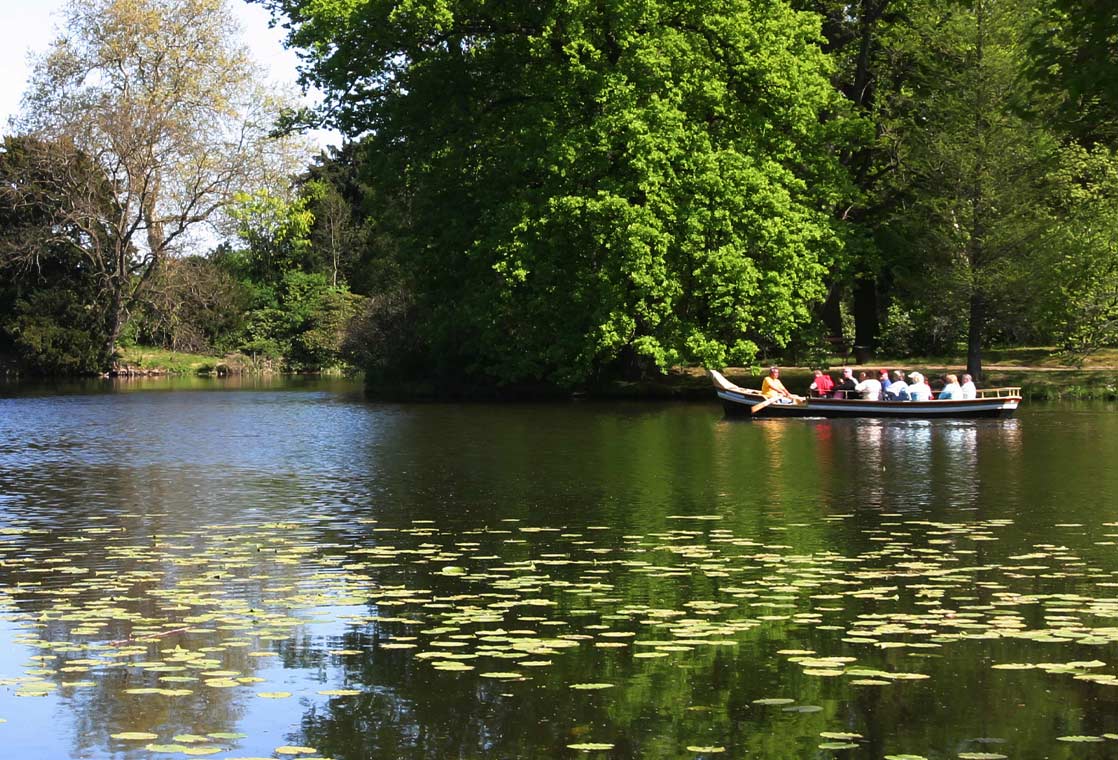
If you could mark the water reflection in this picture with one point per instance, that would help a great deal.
(321, 544)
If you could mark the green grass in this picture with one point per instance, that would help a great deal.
(172, 362)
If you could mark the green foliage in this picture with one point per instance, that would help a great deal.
(1073, 63)
(972, 236)
(50, 298)
(382, 338)
(193, 305)
(1087, 311)
(290, 272)
(571, 183)
(55, 333)
(921, 328)
(306, 326)
(318, 340)
(275, 230)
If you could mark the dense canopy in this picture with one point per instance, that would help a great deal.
(566, 193)
(580, 184)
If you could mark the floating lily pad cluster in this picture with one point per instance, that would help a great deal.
(186, 616)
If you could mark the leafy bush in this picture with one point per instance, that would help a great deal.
(54, 333)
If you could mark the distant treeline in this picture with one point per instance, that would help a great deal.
(562, 193)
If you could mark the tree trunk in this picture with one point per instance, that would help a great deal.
(114, 327)
(974, 335)
(865, 318)
(830, 312)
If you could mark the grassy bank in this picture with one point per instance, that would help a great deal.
(147, 359)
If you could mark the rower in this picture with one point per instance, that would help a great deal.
(771, 387)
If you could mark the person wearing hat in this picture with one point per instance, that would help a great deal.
(771, 387)
(883, 376)
(847, 385)
(918, 390)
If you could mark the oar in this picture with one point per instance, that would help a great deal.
(758, 407)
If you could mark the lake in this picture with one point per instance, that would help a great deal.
(281, 568)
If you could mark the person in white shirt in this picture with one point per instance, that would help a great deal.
(967, 389)
(869, 387)
(918, 390)
(950, 389)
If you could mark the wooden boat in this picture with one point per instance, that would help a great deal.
(991, 402)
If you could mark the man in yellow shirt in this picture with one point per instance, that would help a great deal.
(771, 387)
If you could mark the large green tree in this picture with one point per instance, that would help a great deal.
(864, 40)
(572, 185)
(973, 228)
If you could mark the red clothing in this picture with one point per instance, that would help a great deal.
(824, 385)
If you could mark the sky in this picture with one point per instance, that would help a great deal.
(28, 26)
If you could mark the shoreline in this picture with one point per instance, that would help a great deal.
(1039, 383)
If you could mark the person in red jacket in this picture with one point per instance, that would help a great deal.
(822, 385)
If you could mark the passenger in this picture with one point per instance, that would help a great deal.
(967, 389)
(846, 386)
(898, 389)
(771, 387)
(918, 390)
(869, 387)
(822, 385)
(883, 376)
(950, 389)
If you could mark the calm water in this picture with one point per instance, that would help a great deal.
(287, 570)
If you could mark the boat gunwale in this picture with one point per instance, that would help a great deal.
(839, 403)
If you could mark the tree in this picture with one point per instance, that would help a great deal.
(165, 101)
(577, 187)
(1087, 235)
(861, 39)
(194, 305)
(299, 309)
(975, 171)
(48, 294)
(1074, 60)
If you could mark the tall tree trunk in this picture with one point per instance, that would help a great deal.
(831, 313)
(115, 325)
(975, 246)
(974, 335)
(865, 318)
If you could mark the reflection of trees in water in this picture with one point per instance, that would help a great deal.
(630, 471)
(655, 710)
(98, 600)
